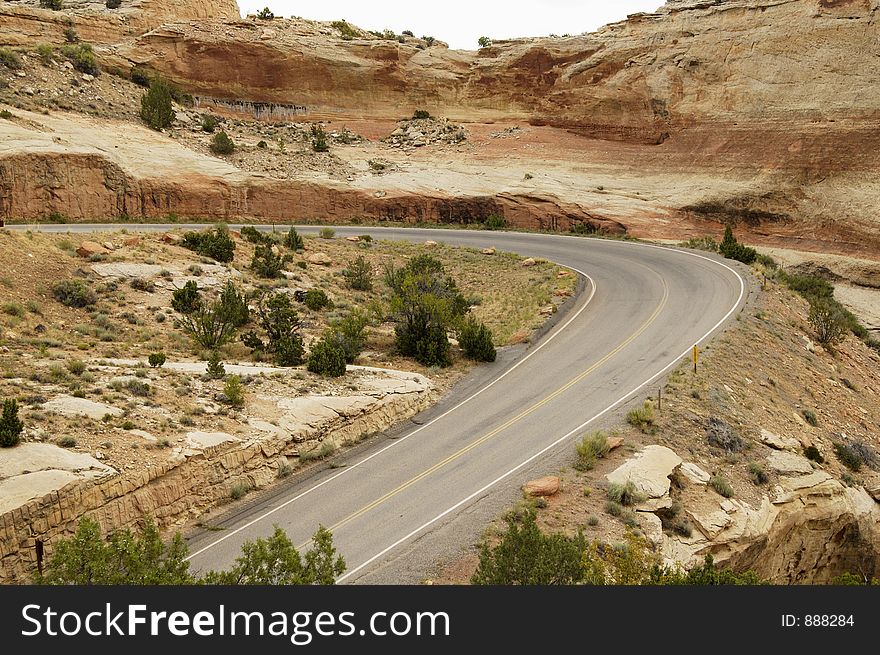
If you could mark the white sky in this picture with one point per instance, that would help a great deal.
(461, 22)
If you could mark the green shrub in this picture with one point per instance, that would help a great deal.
(262, 144)
(266, 263)
(233, 391)
(358, 275)
(732, 249)
(346, 30)
(848, 456)
(140, 284)
(239, 490)
(44, 51)
(811, 452)
(721, 486)
(643, 417)
(327, 358)
(76, 366)
(221, 144)
(9, 59)
(113, 4)
(316, 300)
(327, 233)
(319, 139)
(156, 109)
(74, 293)
(265, 14)
(293, 240)
(156, 360)
(138, 388)
(70, 35)
(141, 77)
(13, 309)
(348, 334)
(11, 426)
(187, 299)
(83, 58)
(495, 223)
(216, 243)
(475, 340)
(7, 115)
(828, 321)
(484, 42)
(758, 474)
(624, 494)
(55, 5)
(216, 370)
(209, 123)
(810, 417)
(421, 114)
(253, 235)
(67, 442)
(701, 243)
(591, 447)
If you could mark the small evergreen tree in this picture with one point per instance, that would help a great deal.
(348, 334)
(319, 139)
(233, 391)
(484, 41)
(265, 14)
(358, 275)
(266, 263)
(216, 243)
(234, 306)
(293, 240)
(156, 360)
(11, 426)
(156, 110)
(281, 324)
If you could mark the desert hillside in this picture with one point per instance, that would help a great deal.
(755, 112)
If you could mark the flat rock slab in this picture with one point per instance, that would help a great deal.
(785, 462)
(32, 457)
(118, 269)
(547, 486)
(21, 489)
(70, 406)
(648, 470)
(208, 439)
(777, 442)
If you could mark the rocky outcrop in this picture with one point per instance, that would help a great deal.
(546, 486)
(810, 528)
(46, 490)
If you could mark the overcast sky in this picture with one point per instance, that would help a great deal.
(461, 22)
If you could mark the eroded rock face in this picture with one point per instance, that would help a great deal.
(649, 471)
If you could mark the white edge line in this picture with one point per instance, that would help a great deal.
(578, 429)
(414, 432)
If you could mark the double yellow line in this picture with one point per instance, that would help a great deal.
(510, 422)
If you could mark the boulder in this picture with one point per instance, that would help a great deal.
(108, 245)
(173, 239)
(130, 242)
(529, 262)
(694, 474)
(489, 251)
(90, 249)
(320, 259)
(614, 443)
(71, 406)
(546, 486)
(779, 443)
(430, 243)
(648, 470)
(652, 526)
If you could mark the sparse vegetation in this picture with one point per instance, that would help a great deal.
(156, 360)
(327, 233)
(240, 490)
(113, 4)
(265, 14)
(82, 57)
(215, 370)
(812, 453)
(74, 293)
(624, 494)
(732, 249)
(281, 324)
(591, 447)
(829, 322)
(495, 223)
(293, 240)
(9, 59)
(319, 139)
(54, 5)
(810, 417)
(757, 474)
(348, 334)
(421, 114)
(316, 300)
(484, 42)
(345, 30)
(266, 262)
(721, 486)
(209, 123)
(848, 456)
(642, 417)
(76, 367)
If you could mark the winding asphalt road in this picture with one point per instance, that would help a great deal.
(643, 309)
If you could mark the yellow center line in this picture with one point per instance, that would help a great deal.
(508, 423)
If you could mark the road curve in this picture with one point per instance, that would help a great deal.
(643, 310)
